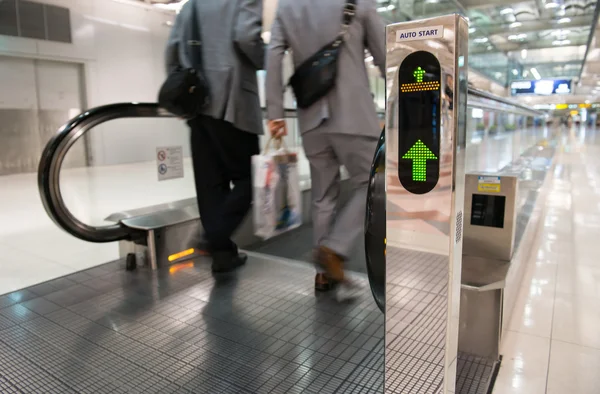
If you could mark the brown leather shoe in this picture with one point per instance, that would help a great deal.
(322, 283)
(332, 263)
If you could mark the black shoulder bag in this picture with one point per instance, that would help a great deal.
(185, 91)
(316, 76)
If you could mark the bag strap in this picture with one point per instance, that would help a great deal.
(195, 42)
(347, 17)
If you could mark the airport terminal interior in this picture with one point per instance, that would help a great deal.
(488, 282)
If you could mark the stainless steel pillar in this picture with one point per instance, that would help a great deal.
(151, 250)
(425, 172)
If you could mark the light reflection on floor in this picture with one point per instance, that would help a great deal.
(553, 345)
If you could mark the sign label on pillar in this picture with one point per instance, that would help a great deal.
(419, 82)
(422, 33)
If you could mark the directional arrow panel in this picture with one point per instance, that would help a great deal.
(419, 154)
(419, 82)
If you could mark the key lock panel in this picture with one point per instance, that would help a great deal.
(424, 198)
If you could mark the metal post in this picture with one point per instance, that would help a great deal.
(152, 250)
(425, 171)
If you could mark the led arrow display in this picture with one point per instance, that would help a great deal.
(419, 95)
(419, 154)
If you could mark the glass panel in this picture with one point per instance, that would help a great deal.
(31, 19)
(495, 139)
(8, 18)
(59, 23)
(123, 153)
(487, 210)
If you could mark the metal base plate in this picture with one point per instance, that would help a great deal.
(475, 375)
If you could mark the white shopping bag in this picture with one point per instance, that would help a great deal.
(277, 197)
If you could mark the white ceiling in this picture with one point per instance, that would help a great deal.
(537, 22)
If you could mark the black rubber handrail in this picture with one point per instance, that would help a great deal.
(54, 154)
(375, 225)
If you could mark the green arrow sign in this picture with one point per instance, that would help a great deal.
(419, 153)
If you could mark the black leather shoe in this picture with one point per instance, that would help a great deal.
(203, 248)
(323, 283)
(227, 261)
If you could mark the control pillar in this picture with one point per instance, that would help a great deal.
(425, 180)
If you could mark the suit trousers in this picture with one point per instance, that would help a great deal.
(338, 228)
(222, 155)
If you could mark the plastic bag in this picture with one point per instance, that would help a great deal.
(277, 197)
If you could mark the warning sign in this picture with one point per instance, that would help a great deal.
(488, 184)
(488, 188)
(169, 162)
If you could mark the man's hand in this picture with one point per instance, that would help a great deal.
(277, 128)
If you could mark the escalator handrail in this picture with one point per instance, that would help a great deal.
(54, 154)
(489, 96)
(57, 148)
(376, 265)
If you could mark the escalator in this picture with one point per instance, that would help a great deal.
(179, 329)
(55, 206)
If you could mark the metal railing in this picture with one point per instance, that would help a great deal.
(516, 107)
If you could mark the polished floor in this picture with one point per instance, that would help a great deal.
(553, 343)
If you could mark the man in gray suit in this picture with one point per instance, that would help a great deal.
(341, 128)
(225, 137)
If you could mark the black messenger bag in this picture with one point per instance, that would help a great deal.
(317, 75)
(185, 92)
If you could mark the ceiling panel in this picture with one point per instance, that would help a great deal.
(508, 38)
(552, 33)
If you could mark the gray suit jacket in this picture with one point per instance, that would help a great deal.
(233, 51)
(305, 26)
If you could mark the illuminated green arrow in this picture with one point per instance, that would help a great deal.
(419, 153)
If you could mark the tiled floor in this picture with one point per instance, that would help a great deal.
(553, 345)
(184, 330)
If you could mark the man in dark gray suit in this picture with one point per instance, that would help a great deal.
(341, 128)
(225, 137)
